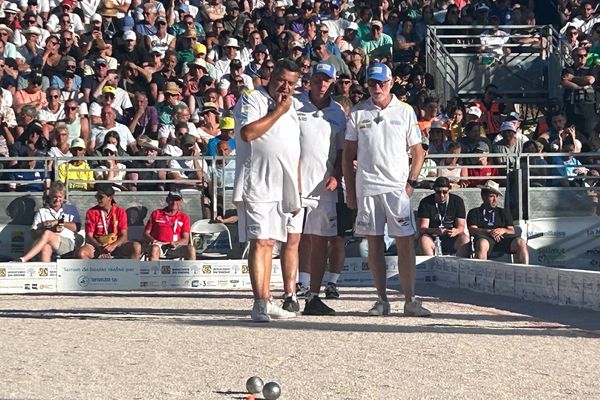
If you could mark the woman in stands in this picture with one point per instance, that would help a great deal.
(55, 227)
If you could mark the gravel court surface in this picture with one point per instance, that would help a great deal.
(201, 345)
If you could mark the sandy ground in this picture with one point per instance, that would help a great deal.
(201, 345)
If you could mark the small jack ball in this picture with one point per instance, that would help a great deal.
(254, 385)
(271, 391)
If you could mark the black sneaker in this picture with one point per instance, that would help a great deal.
(316, 307)
(331, 291)
(291, 304)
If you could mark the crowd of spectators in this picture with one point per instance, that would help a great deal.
(118, 78)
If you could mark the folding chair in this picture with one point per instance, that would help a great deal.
(211, 240)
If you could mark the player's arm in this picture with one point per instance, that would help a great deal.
(418, 158)
(256, 129)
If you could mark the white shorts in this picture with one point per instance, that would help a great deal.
(321, 219)
(295, 223)
(262, 221)
(392, 208)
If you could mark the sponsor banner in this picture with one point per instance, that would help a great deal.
(14, 239)
(565, 242)
(90, 275)
(27, 277)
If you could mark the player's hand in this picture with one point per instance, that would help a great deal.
(452, 232)
(331, 184)
(497, 234)
(284, 103)
(409, 190)
(109, 248)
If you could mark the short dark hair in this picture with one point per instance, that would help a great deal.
(285, 65)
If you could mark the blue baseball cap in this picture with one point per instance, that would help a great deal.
(379, 72)
(325, 68)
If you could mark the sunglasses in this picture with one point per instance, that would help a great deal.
(345, 81)
(31, 21)
(270, 66)
(71, 66)
(373, 83)
(100, 196)
(54, 96)
(581, 55)
(442, 191)
(3, 33)
(305, 65)
(71, 108)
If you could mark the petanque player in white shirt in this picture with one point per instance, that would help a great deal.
(266, 190)
(322, 131)
(380, 134)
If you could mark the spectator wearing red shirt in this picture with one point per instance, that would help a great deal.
(168, 231)
(106, 229)
(484, 170)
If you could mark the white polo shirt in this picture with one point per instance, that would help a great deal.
(68, 211)
(125, 136)
(267, 167)
(321, 135)
(384, 136)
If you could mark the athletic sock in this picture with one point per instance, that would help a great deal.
(292, 295)
(333, 278)
(304, 278)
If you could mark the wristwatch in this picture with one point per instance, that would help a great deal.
(413, 182)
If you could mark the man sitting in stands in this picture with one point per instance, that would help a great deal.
(54, 226)
(442, 215)
(168, 231)
(106, 229)
(492, 227)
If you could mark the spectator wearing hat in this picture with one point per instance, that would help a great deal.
(348, 40)
(29, 49)
(148, 169)
(492, 106)
(32, 94)
(6, 33)
(95, 29)
(234, 21)
(236, 72)
(509, 144)
(492, 228)
(107, 93)
(66, 71)
(231, 48)
(160, 41)
(482, 161)
(11, 13)
(209, 120)
(470, 142)
(35, 67)
(76, 174)
(65, 20)
(30, 20)
(378, 45)
(160, 78)
(438, 139)
(442, 215)
(110, 169)
(226, 125)
(106, 229)
(166, 109)
(90, 83)
(129, 51)
(335, 23)
(167, 231)
(108, 123)
(259, 57)
(186, 21)
(579, 96)
(321, 54)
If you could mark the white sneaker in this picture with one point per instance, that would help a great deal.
(380, 308)
(259, 311)
(415, 309)
(276, 312)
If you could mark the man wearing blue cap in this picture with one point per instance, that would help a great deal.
(322, 128)
(267, 141)
(380, 131)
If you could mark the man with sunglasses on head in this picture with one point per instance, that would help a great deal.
(579, 95)
(106, 229)
(441, 216)
(381, 132)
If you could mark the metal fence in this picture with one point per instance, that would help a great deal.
(533, 189)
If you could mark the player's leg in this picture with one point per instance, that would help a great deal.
(47, 238)
(426, 244)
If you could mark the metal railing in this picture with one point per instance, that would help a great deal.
(530, 193)
(462, 66)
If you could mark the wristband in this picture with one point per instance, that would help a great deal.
(413, 183)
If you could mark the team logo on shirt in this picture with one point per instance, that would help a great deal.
(365, 123)
(404, 221)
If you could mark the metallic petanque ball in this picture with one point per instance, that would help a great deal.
(271, 391)
(254, 385)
